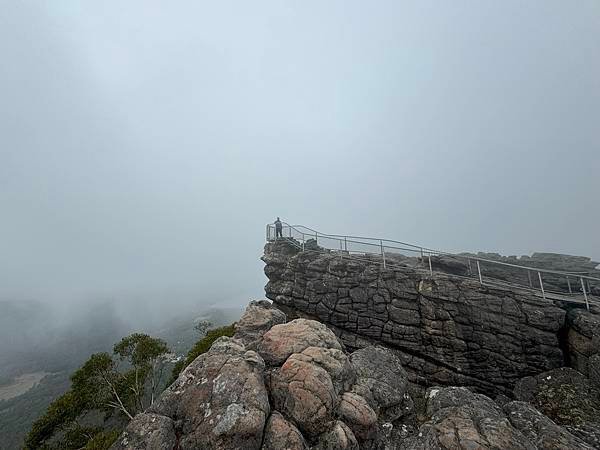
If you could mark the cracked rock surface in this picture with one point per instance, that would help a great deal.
(445, 330)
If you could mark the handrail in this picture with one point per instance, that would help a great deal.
(388, 244)
(438, 252)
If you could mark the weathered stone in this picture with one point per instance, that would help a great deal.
(147, 432)
(304, 393)
(340, 437)
(335, 362)
(282, 435)
(583, 338)
(358, 415)
(439, 398)
(588, 432)
(219, 400)
(382, 381)
(566, 397)
(445, 329)
(540, 430)
(294, 337)
(563, 394)
(464, 420)
(260, 316)
(594, 369)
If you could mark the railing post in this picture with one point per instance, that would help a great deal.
(382, 252)
(587, 304)
(588, 286)
(569, 284)
(430, 266)
(316, 238)
(479, 272)
(529, 276)
(345, 244)
(542, 285)
(302, 241)
(470, 270)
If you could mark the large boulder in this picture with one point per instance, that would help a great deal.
(147, 432)
(304, 392)
(259, 317)
(282, 435)
(220, 400)
(336, 364)
(294, 337)
(382, 381)
(463, 420)
(540, 430)
(358, 415)
(564, 395)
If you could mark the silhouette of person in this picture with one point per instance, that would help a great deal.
(278, 229)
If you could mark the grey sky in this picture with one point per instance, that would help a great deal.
(144, 144)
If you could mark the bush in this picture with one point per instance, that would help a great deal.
(200, 347)
(102, 440)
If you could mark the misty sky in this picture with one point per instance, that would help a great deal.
(145, 144)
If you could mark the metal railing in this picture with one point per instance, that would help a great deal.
(550, 284)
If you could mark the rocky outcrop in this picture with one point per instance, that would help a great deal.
(460, 419)
(309, 394)
(314, 395)
(443, 329)
(220, 400)
(382, 381)
(539, 430)
(283, 340)
(566, 397)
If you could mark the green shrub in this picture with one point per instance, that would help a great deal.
(102, 440)
(200, 347)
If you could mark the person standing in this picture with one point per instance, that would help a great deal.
(278, 229)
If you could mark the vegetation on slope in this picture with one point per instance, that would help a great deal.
(120, 385)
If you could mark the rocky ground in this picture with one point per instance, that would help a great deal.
(292, 385)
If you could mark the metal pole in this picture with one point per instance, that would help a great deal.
(382, 252)
(479, 272)
(345, 244)
(569, 284)
(587, 304)
(302, 241)
(470, 270)
(529, 276)
(316, 238)
(542, 285)
(430, 266)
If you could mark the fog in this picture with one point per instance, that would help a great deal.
(144, 145)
